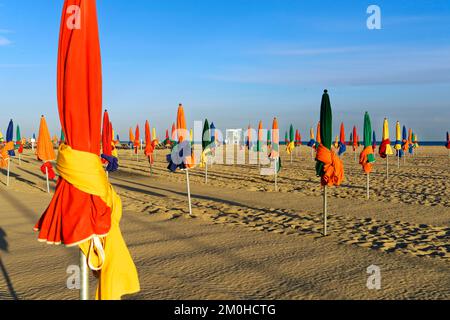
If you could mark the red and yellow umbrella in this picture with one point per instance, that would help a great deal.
(85, 210)
(149, 144)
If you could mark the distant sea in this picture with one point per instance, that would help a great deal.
(421, 143)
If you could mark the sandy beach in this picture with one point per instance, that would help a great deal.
(247, 241)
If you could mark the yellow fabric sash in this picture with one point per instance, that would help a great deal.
(290, 147)
(4, 156)
(118, 275)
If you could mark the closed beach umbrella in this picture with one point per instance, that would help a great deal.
(298, 139)
(415, 140)
(342, 146)
(106, 136)
(149, 145)
(62, 138)
(131, 138)
(260, 137)
(85, 209)
(274, 153)
(249, 137)
(398, 139)
(213, 133)
(405, 142)
(155, 138)
(174, 133)
(410, 141)
(10, 137)
(355, 138)
(367, 157)
(44, 150)
(312, 141)
(206, 147)
(206, 136)
(137, 140)
(269, 138)
(2, 139)
(385, 147)
(448, 141)
(374, 141)
(107, 145)
(291, 141)
(329, 166)
(19, 142)
(318, 137)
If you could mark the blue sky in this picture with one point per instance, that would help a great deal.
(239, 61)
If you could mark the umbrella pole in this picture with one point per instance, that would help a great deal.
(354, 154)
(312, 154)
(20, 162)
(7, 174)
(325, 210)
(387, 167)
(206, 171)
(276, 175)
(189, 192)
(84, 278)
(291, 157)
(46, 178)
(368, 186)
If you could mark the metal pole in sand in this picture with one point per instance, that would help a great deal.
(46, 177)
(189, 192)
(368, 186)
(206, 171)
(312, 153)
(7, 174)
(387, 167)
(325, 210)
(84, 278)
(276, 175)
(398, 159)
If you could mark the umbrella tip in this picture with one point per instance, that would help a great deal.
(325, 91)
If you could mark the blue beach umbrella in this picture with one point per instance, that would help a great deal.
(10, 136)
(212, 128)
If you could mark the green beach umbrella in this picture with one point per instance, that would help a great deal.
(326, 120)
(269, 138)
(291, 134)
(62, 138)
(206, 146)
(368, 137)
(206, 138)
(328, 165)
(18, 136)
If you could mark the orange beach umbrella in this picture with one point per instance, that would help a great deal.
(85, 210)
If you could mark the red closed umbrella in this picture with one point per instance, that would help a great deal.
(88, 218)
